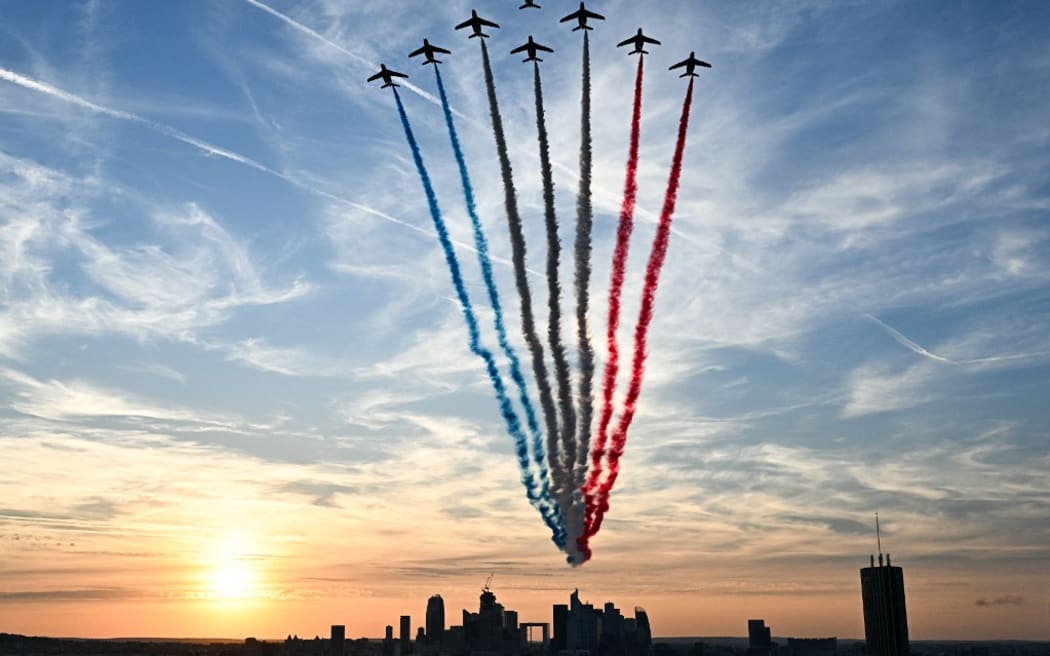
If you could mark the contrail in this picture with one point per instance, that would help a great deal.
(294, 24)
(562, 456)
(919, 350)
(584, 217)
(517, 243)
(540, 501)
(619, 264)
(481, 244)
(203, 146)
(907, 343)
(645, 316)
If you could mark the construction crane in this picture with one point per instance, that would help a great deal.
(488, 581)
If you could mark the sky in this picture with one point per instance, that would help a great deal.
(236, 393)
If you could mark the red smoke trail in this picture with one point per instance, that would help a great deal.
(645, 316)
(612, 366)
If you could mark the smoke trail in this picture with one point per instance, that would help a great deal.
(645, 316)
(619, 262)
(584, 217)
(566, 463)
(517, 243)
(547, 509)
(481, 245)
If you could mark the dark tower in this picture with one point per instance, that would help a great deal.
(885, 615)
(336, 644)
(561, 627)
(406, 632)
(435, 619)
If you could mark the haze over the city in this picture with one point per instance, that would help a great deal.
(236, 391)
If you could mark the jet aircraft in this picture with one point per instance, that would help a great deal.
(582, 15)
(387, 76)
(427, 50)
(639, 40)
(476, 22)
(529, 3)
(531, 47)
(690, 65)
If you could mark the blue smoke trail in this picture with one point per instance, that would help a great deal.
(482, 247)
(539, 499)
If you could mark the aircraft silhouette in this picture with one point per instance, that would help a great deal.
(427, 50)
(476, 22)
(690, 65)
(531, 47)
(638, 40)
(387, 76)
(529, 3)
(582, 15)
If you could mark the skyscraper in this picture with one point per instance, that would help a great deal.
(337, 641)
(561, 622)
(435, 619)
(759, 638)
(885, 615)
(406, 632)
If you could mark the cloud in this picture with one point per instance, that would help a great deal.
(874, 388)
(1004, 600)
(87, 594)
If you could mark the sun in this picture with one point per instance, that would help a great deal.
(231, 580)
(229, 572)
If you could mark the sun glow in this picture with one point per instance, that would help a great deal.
(231, 576)
(231, 581)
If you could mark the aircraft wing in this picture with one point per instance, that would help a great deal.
(573, 16)
(623, 43)
(441, 50)
(416, 53)
(376, 76)
(649, 40)
(544, 48)
(591, 14)
(466, 23)
(395, 73)
(487, 23)
(678, 65)
(703, 63)
(521, 48)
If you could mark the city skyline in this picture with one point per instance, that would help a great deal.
(236, 390)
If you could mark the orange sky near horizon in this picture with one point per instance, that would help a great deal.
(237, 394)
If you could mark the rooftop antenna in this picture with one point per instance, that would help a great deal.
(878, 534)
(878, 538)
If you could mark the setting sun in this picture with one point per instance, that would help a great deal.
(230, 574)
(231, 580)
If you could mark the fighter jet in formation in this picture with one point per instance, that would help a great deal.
(582, 15)
(386, 75)
(532, 47)
(529, 3)
(690, 65)
(475, 23)
(639, 40)
(427, 50)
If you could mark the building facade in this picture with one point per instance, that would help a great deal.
(435, 621)
(885, 614)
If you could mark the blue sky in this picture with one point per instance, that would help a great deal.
(224, 313)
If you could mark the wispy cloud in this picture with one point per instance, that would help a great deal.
(1005, 600)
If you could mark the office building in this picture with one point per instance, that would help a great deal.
(337, 641)
(561, 620)
(885, 614)
(759, 638)
(406, 631)
(435, 619)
